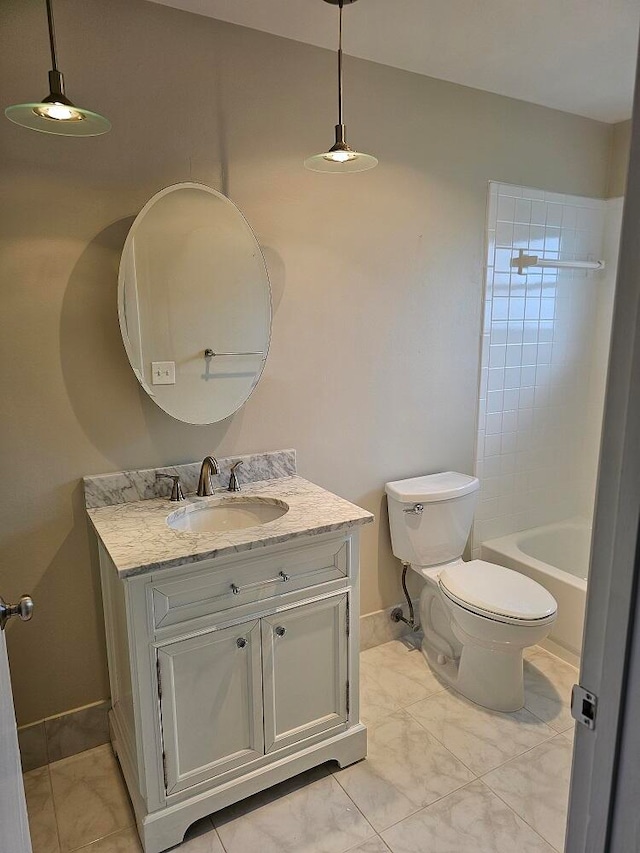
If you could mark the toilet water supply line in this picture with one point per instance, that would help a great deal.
(396, 614)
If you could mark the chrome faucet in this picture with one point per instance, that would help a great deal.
(205, 483)
(234, 485)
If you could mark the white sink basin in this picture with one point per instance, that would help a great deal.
(226, 514)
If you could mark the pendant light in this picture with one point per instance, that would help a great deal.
(340, 158)
(56, 113)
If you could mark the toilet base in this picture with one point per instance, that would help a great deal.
(490, 678)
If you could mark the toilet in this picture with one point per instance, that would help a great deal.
(477, 617)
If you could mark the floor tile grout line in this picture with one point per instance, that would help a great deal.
(90, 844)
(366, 841)
(130, 825)
(452, 691)
(522, 754)
(401, 708)
(376, 834)
(368, 821)
(477, 775)
(226, 850)
(524, 820)
(54, 807)
(355, 805)
(556, 657)
(439, 800)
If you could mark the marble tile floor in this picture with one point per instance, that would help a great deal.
(442, 776)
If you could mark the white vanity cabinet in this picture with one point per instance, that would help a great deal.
(232, 674)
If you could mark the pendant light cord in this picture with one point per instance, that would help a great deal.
(52, 35)
(339, 66)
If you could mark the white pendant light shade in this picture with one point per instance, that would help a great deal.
(56, 113)
(340, 158)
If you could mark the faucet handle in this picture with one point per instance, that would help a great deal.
(176, 490)
(234, 485)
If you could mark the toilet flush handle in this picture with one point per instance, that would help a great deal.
(416, 509)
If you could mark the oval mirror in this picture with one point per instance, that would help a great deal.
(194, 303)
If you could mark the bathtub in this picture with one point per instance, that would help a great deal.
(556, 556)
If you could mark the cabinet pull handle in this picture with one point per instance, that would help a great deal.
(241, 642)
(282, 576)
(281, 630)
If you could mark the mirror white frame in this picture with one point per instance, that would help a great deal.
(197, 352)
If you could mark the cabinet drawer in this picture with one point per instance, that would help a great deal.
(243, 582)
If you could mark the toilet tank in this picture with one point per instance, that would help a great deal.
(438, 534)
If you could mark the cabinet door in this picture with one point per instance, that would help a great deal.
(304, 671)
(211, 702)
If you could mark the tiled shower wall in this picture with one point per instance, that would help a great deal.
(544, 350)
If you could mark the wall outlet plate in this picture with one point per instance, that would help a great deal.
(163, 373)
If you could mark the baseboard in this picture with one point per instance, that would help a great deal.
(377, 627)
(63, 735)
(561, 652)
(84, 728)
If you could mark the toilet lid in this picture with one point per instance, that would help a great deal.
(487, 588)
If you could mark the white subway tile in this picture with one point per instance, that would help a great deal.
(506, 208)
(516, 308)
(498, 332)
(503, 260)
(525, 418)
(526, 398)
(495, 401)
(536, 239)
(492, 445)
(544, 353)
(538, 212)
(500, 308)
(532, 309)
(487, 509)
(509, 441)
(493, 423)
(512, 377)
(508, 463)
(510, 190)
(569, 215)
(523, 210)
(547, 309)
(554, 214)
(515, 332)
(496, 380)
(492, 466)
(509, 423)
(497, 356)
(504, 235)
(532, 193)
(511, 399)
(521, 236)
(513, 355)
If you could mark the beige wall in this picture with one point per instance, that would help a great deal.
(620, 145)
(376, 278)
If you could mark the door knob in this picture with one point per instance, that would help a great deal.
(23, 609)
(241, 642)
(281, 630)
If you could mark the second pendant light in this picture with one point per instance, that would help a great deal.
(340, 158)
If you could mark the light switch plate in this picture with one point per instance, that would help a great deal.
(163, 373)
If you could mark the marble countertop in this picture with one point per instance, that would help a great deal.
(138, 539)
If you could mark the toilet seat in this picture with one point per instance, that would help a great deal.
(497, 593)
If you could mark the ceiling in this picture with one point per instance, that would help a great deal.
(572, 55)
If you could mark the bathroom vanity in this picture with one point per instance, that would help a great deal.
(233, 653)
